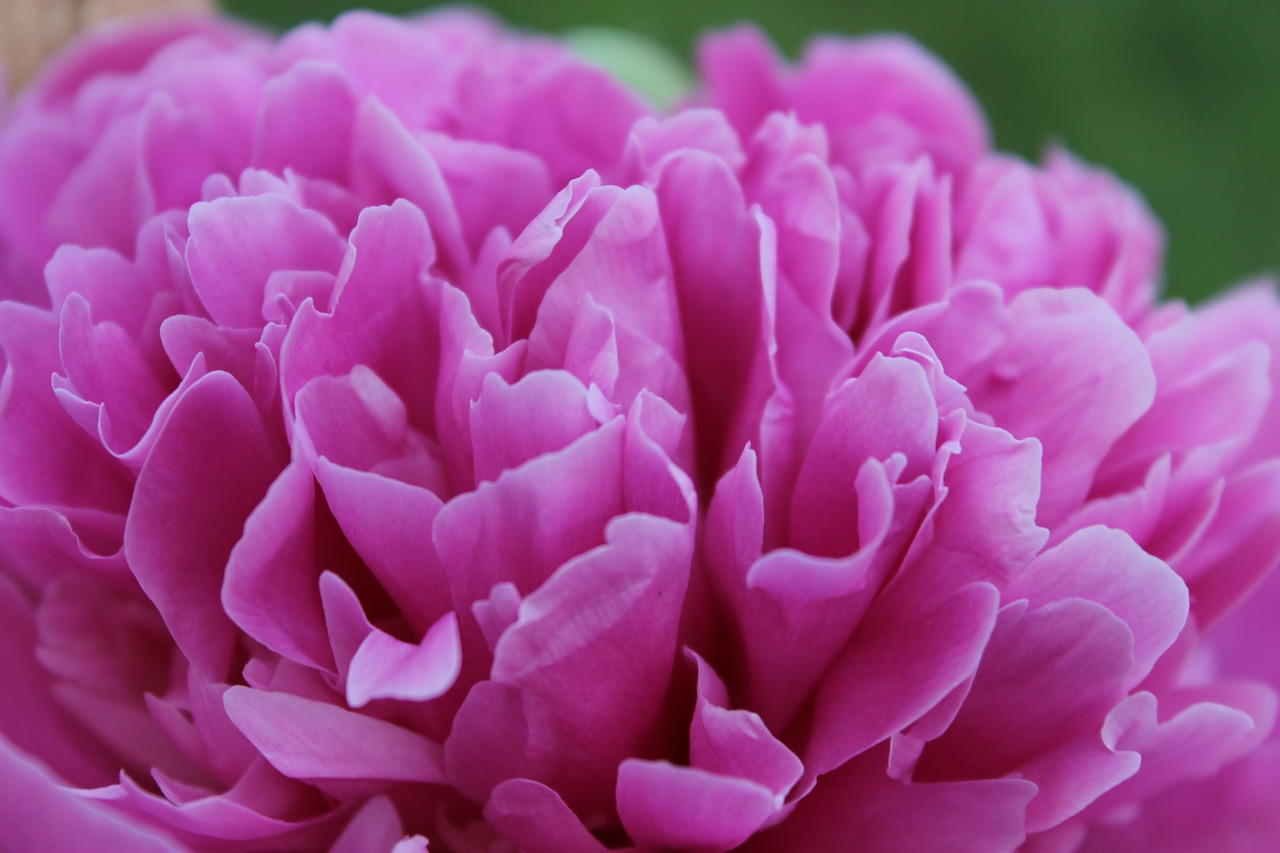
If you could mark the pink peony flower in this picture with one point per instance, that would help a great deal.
(406, 433)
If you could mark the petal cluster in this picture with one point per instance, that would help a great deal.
(410, 437)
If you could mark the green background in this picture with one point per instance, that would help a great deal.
(1181, 98)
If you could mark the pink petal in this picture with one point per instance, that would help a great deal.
(1105, 566)
(227, 817)
(33, 539)
(860, 802)
(522, 527)
(886, 96)
(886, 679)
(1071, 375)
(387, 668)
(394, 165)
(726, 291)
(375, 827)
(666, 806)
(321, 743)
(512, 424)
(1202, 731)
(39, 813)
(492, 186)
(236, 243)
(31, 719)
(888, 409)
(1048, 675)
(736, 742)
(304, 122)
(210, 467)
(741, 69)
(270, 590)
(45, 459)
(578, 682)
(534, 817)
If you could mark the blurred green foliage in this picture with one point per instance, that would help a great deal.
(1181, 98)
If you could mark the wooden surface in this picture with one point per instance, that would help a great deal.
(31, 30)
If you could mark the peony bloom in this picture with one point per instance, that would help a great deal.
(410, 437)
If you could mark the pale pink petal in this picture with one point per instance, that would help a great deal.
(386, 668)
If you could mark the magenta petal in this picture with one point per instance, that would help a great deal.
(320, 743)
(270, 589)
(726, 291)
(380, 306)
(1231, 810)
(388, 523)
(1073, 376)
(533, 816)
(888, 409)
(796, 600)
(860, 802)
(638, 296)
(492, 186)
(495, 614)
(653, 139)
(546, 247)
(986, 527)
(570, 115)
(667, 806)
(104, 366)
(1105, 566)
(1073, 777)
(39, 813)
(1217, 725)
(358, 422)
(304, 122)
(892, 678)
(30, 717)
(737, 742)
(108, 175)
(540, 414)
(387, 668)
(578, 682)
(345, 621)
(32, 539)
(236, 243)
(375, 827)
(210, 466)
(386, 155)
(884, 97)
(1239, 550)
(742, 70)
(195, 815)
(1063, 666)
(45, 459)
(523, 526)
